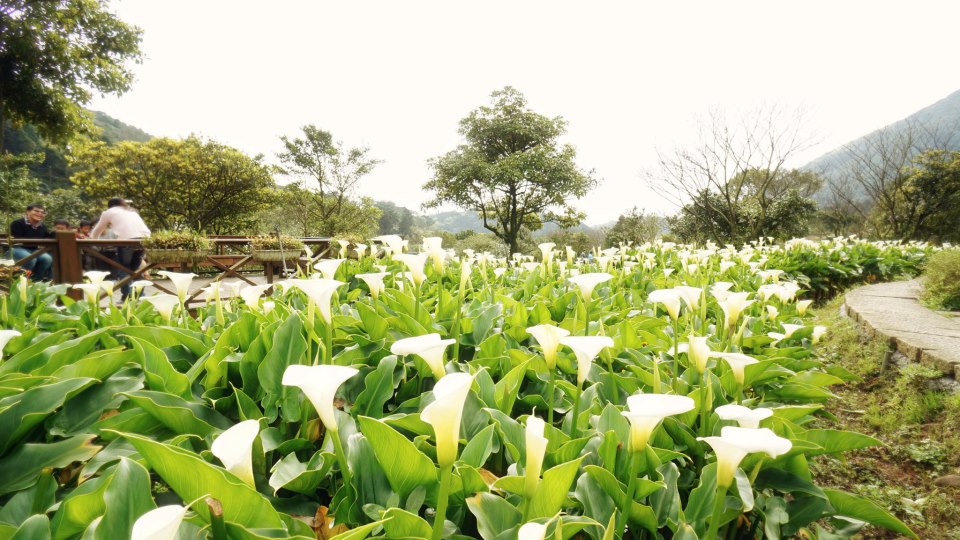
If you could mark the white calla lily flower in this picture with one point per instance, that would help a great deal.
(320, 385)
(744, 416)
(732, 306)
(548, 337)
(430, 347)
(234, 448)
(818, 332)
(360, 250)
(251, 295)
(91, 292)
(374, 281)
(164, 304)
(159, 524)
(328, 267)
(588, 282)
(320, 291)
(802, 306)
(670, 298)
(690, 295)
(729, 455)
(5, 337)
(96, 276)
(646, 411)
(586, 348)
(536, 449)
(737, 362)
(140, 284)
(181, 281)
(532, 531)
(698, 351)
(757, 440)
(415, 264)
(445, 414)
(789, 329)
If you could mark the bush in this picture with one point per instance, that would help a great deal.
(942, 280)
(185, 240)
(273, 242)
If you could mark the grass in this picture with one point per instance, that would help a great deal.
(920, 429)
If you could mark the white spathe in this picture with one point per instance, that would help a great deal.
(586, 349)
(164, 304)
(430, 347)
(588, 282)
(234, 448)
(536, 449)
(445, 413)
(670, 298)
(328, 267)
(320, 291)
(757, 440)
(698, 351)
(646, 411)
(181, 281)
(732, 306)
(532, 531)
(374, 281)
(91, 292)
(96, 276)
(415, 264)
(5, 337)
(744, 416)
(159, 524)
(548, 337)
(320, 384)
(251, 294)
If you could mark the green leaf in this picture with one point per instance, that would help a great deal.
(78, 415)
(97, 365)
(405, 466)
(479, 448)
(289, 348)
(378, 388)
(164, 337)
(125, 499)
(21, 413)
(553, 489)
(34, 350)
(402, 524)
(193, 478)
(289, 473)
(494, 515)
(850, 505)
(35, 528)
(179, 415)
(160, 374)
(507, 388)
(360, 532)
(835, 441)
(36, 500)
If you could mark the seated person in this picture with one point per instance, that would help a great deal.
(31, 226)
(61, 225)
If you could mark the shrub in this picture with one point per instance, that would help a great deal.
(185, 240)
(942, 280)
(273, 242)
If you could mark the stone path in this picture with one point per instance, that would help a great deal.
(893, 311)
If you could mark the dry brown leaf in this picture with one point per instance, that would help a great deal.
(323, 529)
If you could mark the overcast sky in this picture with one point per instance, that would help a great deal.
(629, 77)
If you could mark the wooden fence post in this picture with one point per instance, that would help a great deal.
(67, 262)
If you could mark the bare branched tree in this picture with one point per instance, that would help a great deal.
(735, 161)
(874, 181)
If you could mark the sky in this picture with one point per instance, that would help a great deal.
(630, 78)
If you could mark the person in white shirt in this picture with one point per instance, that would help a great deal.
(126, 224)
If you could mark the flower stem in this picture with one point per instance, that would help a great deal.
(627, 501)
(328, 344)
(717, 513)
(614, 389)
(341, 456)
(551, 389)
(574, 431)
(446, 475)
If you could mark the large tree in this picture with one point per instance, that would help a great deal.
(737, 166)
(53, 55)
(178, 184)
(512, 170)
(328, 174)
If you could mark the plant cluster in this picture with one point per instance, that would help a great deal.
(185, 240)
(655, 391)
(941, 282)
(274, 242)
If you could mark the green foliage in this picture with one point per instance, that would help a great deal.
(55, 55)
(941, 279)
(328, 174)
(511, 170)
(186, 240)
(178, 184)
(635, 226)
(17, 187)
(299, 212)
(272, 241)
(394, 219)
(931, 204)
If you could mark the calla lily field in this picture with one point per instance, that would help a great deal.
(648, 391)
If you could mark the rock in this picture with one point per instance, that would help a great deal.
(950, 480)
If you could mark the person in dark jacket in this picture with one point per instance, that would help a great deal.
(31, 226)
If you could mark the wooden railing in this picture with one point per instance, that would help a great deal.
(229, 258)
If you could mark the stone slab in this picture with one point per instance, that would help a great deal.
(893, 310)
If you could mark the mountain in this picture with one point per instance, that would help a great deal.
(942, 119)
(53, 170)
